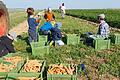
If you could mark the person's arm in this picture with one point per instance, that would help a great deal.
(36, 23)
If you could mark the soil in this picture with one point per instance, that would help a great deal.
(20, 28)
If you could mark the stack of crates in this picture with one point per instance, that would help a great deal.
(71, 39)
(40, 48)
(115, 38)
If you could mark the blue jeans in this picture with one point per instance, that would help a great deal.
(33, 36)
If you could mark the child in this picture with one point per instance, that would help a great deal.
(56, 35)
(49, 16)
(32, 25)
(45, 28)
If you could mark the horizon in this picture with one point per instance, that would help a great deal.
(54, 4)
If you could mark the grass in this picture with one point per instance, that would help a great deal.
(97, 62)
(17, 17)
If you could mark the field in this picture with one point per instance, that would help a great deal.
(100, 64)
(112, 15)
(17, 16)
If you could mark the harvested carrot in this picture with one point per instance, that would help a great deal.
(32, 66)
(61, 69)
(13, 63)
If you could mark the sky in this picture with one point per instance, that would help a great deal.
(70, 4)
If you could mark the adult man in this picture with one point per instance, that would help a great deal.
(6, 45)
(62, 10)
(103, 29)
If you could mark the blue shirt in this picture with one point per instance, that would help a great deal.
(46, 26)
(32, 24)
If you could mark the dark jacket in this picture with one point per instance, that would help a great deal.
(6, 46)
(56, 33)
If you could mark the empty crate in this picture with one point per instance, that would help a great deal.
(42, 38)
(115, 38)
(71, 39)
(38, 50)
(101, 43)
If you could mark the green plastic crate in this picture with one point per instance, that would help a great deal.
(40, 51)
(115, 38)
(43, 38)
(19, 65)
(39, 75)
(38, 44)
(15, 76)
(71, 39)
(101, 44)
(3, 75)
(62, 76)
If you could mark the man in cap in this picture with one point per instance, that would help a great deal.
(103, 29)
(6, 45)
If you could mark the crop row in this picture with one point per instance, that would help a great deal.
(112, 15)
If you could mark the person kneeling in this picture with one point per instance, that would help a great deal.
(56, 35)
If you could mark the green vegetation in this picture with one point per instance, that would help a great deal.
(16, 17)
(112, 15)
(97, 62)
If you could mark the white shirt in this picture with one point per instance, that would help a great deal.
(63, 8)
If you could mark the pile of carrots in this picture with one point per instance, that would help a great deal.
(32, 66)
(13, 61)
(61, 69)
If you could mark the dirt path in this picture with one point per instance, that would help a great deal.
(20, 28)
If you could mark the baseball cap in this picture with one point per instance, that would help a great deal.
(102, 16)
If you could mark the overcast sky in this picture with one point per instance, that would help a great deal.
(76, 4)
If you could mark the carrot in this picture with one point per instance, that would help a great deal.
(32, 66)
(13, 60)
(60, 69)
